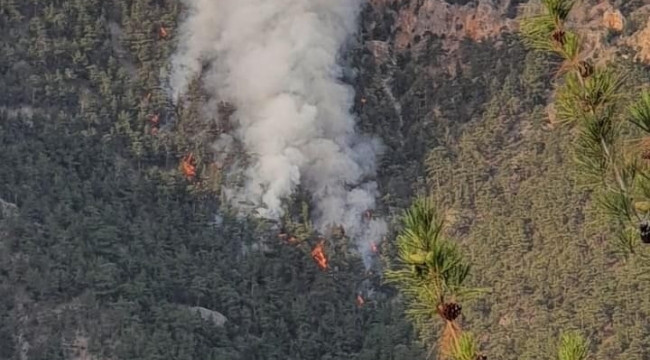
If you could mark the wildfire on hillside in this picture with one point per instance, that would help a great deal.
(319, 256)
(360, 301)
(163, 32)
(188, 166)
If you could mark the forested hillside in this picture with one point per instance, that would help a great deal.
(115, 244)
(106, 246)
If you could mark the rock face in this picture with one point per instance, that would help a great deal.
(7, 209)
(613, 19)
(640, 41)
(478, 20)
(475, 20)
(209, 315)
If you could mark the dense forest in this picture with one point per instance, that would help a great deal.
(115, 244)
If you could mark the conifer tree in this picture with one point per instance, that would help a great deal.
(612, 144)
(431, 273)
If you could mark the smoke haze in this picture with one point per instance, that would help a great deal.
(276, 61)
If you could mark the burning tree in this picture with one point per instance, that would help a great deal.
(431, 274)
(613, 128)
(318, 255)
(188, 166)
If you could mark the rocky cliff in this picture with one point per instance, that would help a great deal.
(410, 21)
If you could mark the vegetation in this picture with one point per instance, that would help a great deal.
(112, 233)
(611, 146)
(432, 276)
(106, 247)
(431, 272)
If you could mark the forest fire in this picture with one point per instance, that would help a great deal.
(188, 166)
(155, 119)
(368, 215)
(360, 301)
(319, 256)
(373, 247)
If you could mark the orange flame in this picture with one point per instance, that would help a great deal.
(319, 256)
(187, 167)
(374, 248)
(163, 32)
(360, 300)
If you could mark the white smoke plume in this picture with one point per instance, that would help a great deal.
(276, 61)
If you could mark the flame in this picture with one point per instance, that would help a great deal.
(363, 100)
(155, 119)
(368, 215)
(187, 166)
(373, 247)
(319, 256)
(163, 32)
(360, 300)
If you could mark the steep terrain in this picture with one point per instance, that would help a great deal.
(107, 251)
(477, 111)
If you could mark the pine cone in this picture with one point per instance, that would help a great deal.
(644, 229)
(558, 37)
(451, 311)
(585, 68)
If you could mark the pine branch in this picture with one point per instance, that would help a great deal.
(592, 100)
(559, 9)
(572, 347)
(640, 112)
(466, 348)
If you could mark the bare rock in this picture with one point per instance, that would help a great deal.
(209, 315)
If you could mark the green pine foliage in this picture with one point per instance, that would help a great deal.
(432, 270)
(431, 273)
(572, 347)
(611, 131)
(466, 348)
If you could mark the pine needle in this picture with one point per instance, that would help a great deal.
(559, 9)
(537, 32)
(640, 112)
(572, 347)
(466, 348)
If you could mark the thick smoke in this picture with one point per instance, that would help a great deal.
(276, 61)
